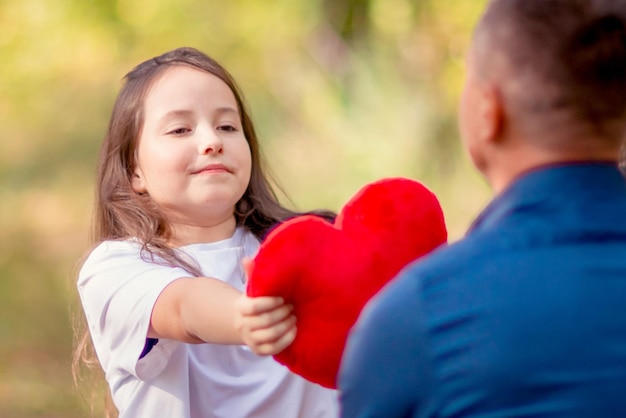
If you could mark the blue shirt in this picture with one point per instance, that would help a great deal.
(524, 317)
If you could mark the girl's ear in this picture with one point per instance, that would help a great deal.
(137, 181)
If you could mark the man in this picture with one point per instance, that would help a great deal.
(526, 316)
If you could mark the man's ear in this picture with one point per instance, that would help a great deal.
(491, 114)
(137, 181)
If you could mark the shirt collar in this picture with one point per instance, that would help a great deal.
(553, 182)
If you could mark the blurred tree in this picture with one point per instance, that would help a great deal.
(350, 19)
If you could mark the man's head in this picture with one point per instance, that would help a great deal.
(546, 82)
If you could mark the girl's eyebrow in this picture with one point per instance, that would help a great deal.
(173, 114)
(226, 109)
(186, 113)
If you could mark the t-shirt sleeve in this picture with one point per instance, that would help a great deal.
(118, 290)
(384, 367)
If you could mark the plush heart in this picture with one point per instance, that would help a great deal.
(329, 271)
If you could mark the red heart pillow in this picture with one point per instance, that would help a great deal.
(329, 271)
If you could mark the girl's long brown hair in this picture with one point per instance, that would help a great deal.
(120, 213)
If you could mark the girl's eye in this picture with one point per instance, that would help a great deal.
(227, 128)
(178, 131)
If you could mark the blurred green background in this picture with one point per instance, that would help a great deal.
(343, 92)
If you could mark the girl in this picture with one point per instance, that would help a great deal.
(181, 201)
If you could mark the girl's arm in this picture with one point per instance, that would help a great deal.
(202, 309)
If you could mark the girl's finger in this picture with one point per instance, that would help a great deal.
(278, 345)
(270, 318)
(248, 265)
(273, 333)
(254, 306)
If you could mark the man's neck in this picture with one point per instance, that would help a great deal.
(511, 166)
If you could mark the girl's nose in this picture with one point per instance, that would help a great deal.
(211, 143)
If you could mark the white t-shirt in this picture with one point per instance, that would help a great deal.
(118, 290)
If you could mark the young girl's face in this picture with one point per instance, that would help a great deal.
(192, 156)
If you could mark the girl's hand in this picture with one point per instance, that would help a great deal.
(265, 323)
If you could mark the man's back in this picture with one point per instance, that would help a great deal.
(524, 317)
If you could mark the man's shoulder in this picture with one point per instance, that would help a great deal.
(452, 258)
(445, 263)
(451, 272)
